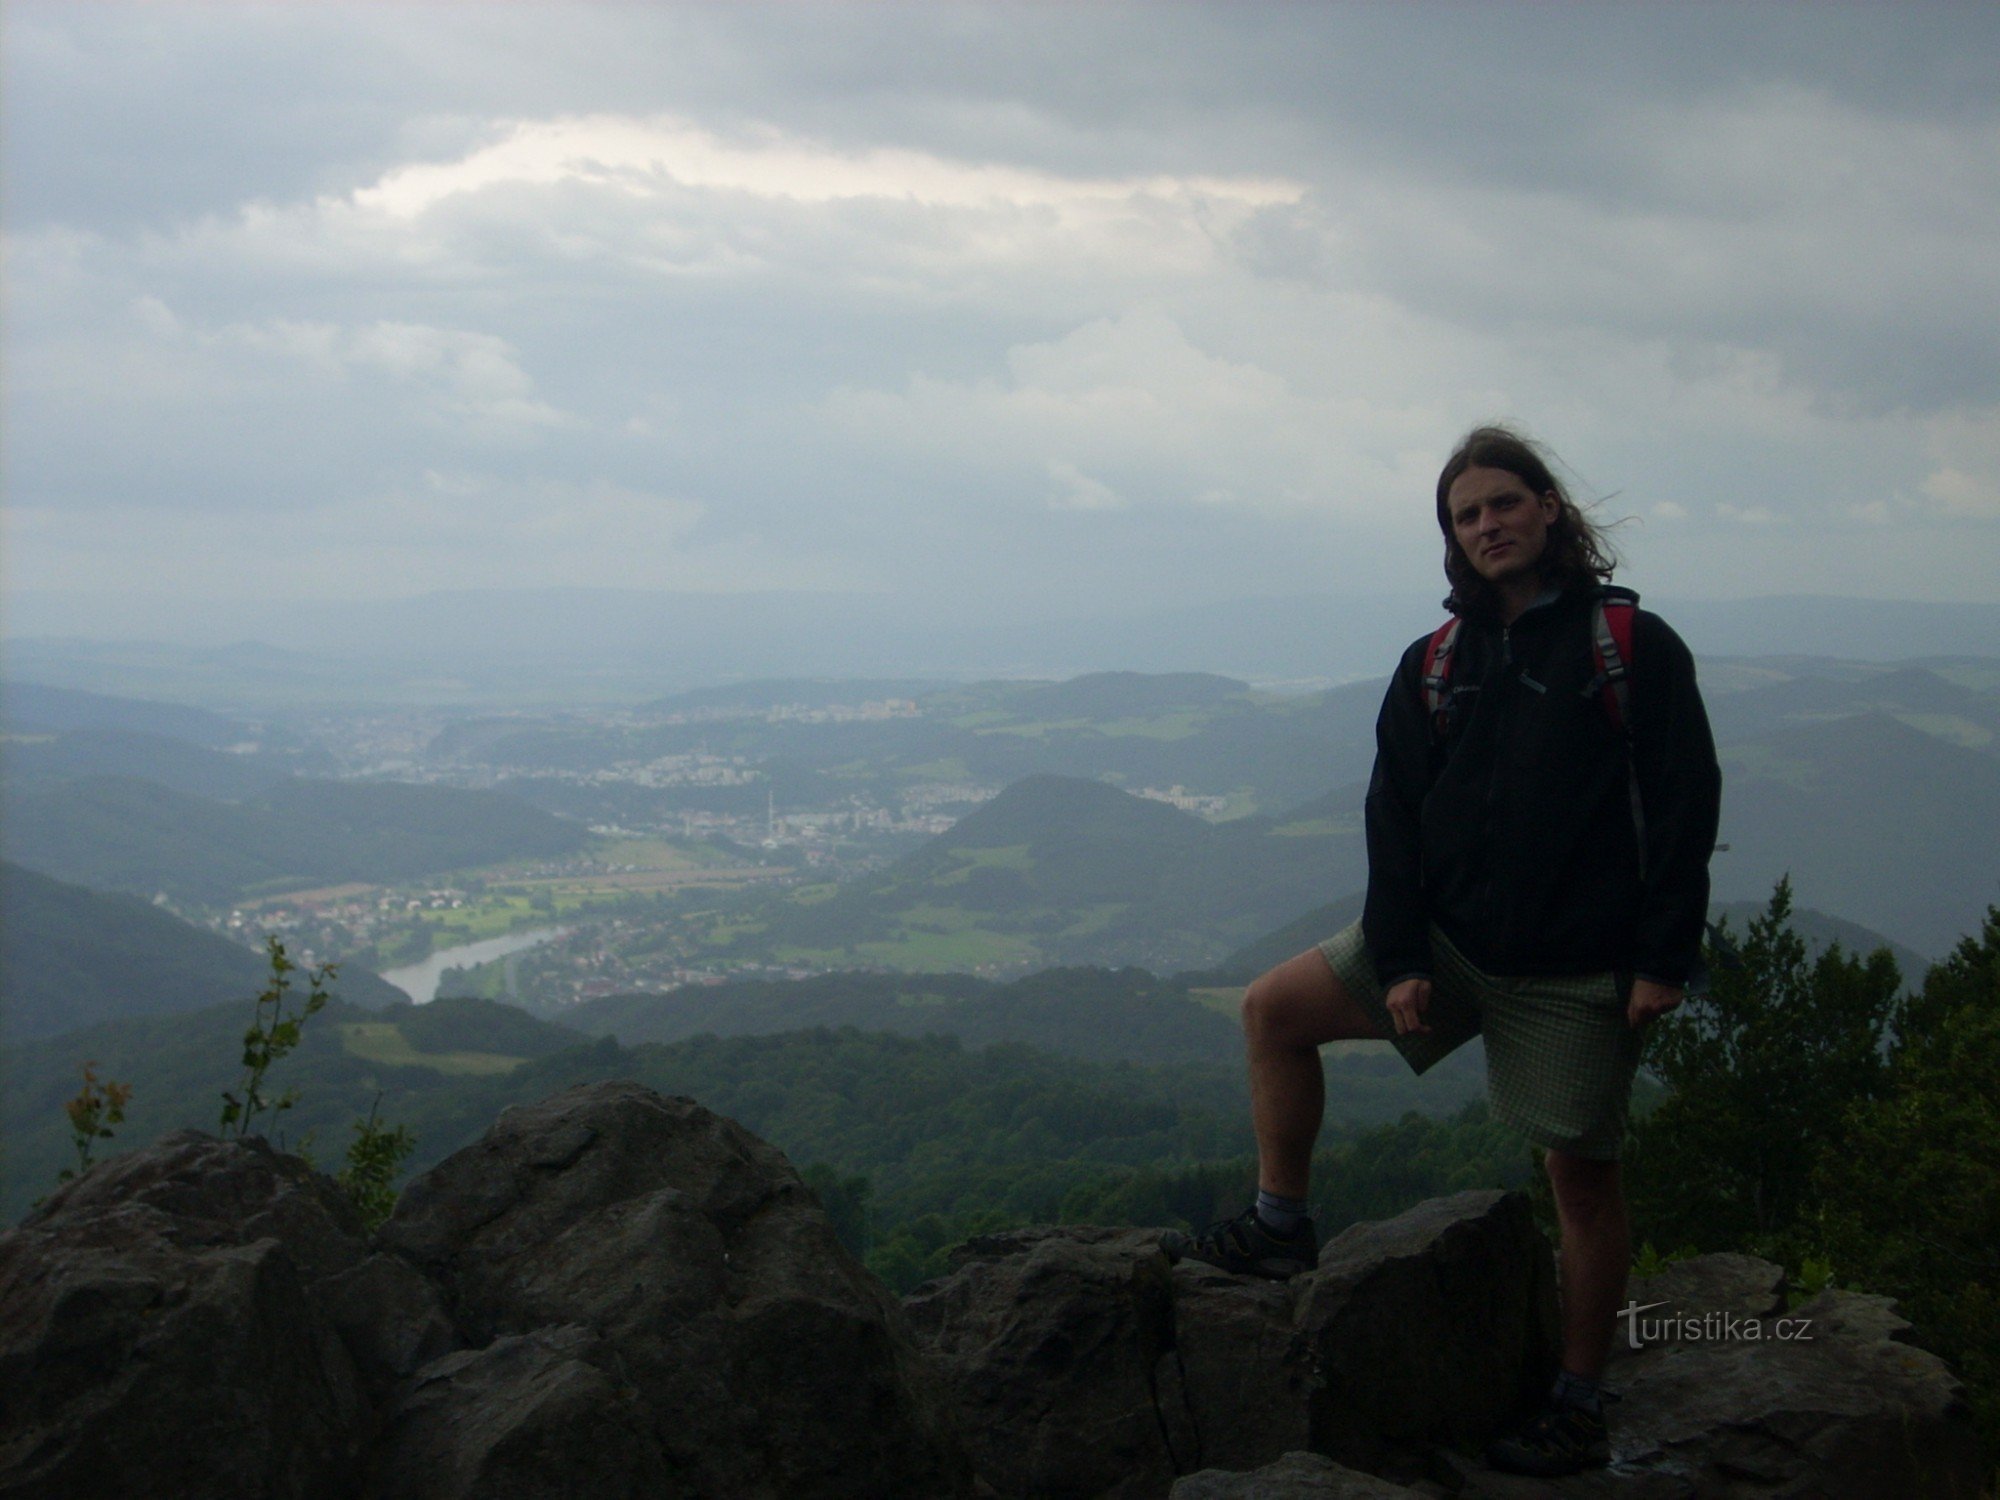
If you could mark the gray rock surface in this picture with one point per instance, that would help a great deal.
(160, 1332)
(529, 1416)
(1296, 1476)
(1084, 1366)
(1432, 1328)
(771, 1362)
(1053, 1342)
(1846, 1410)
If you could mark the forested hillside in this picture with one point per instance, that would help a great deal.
(1058, 870)
(121, 833)
(72, 958)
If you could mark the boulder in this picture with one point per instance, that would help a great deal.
(161, 1332)
(1084, 1365)
(1053, 1343)
(544, 1414)
(766, 1360)
(1431, 1329)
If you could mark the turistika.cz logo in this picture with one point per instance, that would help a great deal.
(1708, 1327)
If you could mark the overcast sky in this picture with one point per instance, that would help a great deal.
(1041, 308)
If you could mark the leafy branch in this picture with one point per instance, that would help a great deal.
(96, 1109)
(273, 1033)
(373, 1157)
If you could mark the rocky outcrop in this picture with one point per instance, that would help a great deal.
(174, 1324)
(622, 1295)
(612, 1294)
(717, 1295)
(1084, 1366)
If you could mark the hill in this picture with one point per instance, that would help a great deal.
(766, 693)
(1103, 1014)
(1059, 870)
(1950, 700)
(37, 708)
(71, 958)
(1889, 826)
(1211, 734)
(173, 763)
(1122, 695)
(938, 1124)
(122, 833)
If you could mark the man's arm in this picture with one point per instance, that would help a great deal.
(1680, 789)
(1396, 918)
(1649, 999)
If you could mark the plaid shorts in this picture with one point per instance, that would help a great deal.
(1560, 1054)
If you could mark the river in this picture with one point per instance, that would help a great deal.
(420, 981)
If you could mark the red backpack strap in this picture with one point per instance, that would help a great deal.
(1611, 646)
(1437, 672)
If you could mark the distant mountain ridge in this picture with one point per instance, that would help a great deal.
(526, 645)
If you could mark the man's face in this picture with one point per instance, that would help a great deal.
(1501, 525)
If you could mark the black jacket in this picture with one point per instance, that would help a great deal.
(1515, 834)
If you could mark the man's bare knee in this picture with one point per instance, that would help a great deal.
(1584, 1187)
(1301, 1003)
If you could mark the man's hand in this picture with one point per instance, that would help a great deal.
(1407, 1002)
(1650, 998)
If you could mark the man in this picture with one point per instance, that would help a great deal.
(1537, 872)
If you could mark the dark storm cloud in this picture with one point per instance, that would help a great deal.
(1039, 301)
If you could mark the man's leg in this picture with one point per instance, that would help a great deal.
(1595, 1256)
(1287, 1014)
(1569, 1435)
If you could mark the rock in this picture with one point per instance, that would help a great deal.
(531, 1415)
(1084, 1366)
(391, 1318)
(1728, 1284)
(619, 1294)
(1824, 1402)
(1842, 1411)
(160, 1333)
(768, 1362)
(1434, 1328)
(1052, 1341)
(1296, 1476)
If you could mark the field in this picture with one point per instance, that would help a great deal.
(383, 1042)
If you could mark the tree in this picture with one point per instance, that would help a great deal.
(1910, 1200)
(845, 1199)
(1762, 1073)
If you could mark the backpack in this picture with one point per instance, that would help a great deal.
(1610, 649)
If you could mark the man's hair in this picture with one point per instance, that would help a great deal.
(1577, 551)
